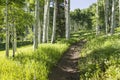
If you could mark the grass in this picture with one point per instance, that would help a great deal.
(100, 58)
(31, 65)
(28, 49)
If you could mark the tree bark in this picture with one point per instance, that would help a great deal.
(97, 19)
(113, 17)
(67, 15)
(46, 8)
(106, 15)
(36, 24)
(54, 22)
(14, 39)
(48, 24)
(119, 13)
(39, 31)
(39, 27)
(7, 31)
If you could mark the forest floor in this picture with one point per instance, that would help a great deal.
(67, 66)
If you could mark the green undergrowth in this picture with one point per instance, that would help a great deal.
(31, 66)
(76, 37)
(100, 58)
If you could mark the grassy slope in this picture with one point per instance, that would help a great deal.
(100, 58)
(29, 65)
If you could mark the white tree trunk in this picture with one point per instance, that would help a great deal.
(36, 24)
(7, 30)
(39, 27)
(46, 6)
(113, 17)
(48, 18)
(27, 7)
(119, 13)
(97, 19)
(67, 15)
(14, 40)
(54, 22)
(39, 32)
(106, 15)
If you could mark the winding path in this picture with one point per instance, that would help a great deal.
(67, 67)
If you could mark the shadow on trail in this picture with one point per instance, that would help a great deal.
(67, 67)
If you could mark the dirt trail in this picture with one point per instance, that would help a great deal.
(67, 67)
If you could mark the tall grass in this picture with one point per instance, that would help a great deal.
(31, 65)
(100, 58)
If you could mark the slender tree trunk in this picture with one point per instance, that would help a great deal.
(14, 43)
(28, 11)
(36, 24)
(7, 30)
(39, 27)
(54, 22)
(67, 15)
(119, 13)
(14, 39)
(113, 17)
(48, 15)
(46, 8)
(97, 19)
(39, 32)
(106, 15)
(47, 34)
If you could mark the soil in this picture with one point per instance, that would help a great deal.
(67, 66)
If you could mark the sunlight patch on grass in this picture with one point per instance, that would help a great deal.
(100, 59)
(25, 49)
(29, 65)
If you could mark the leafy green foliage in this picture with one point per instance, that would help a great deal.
(83, 18)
